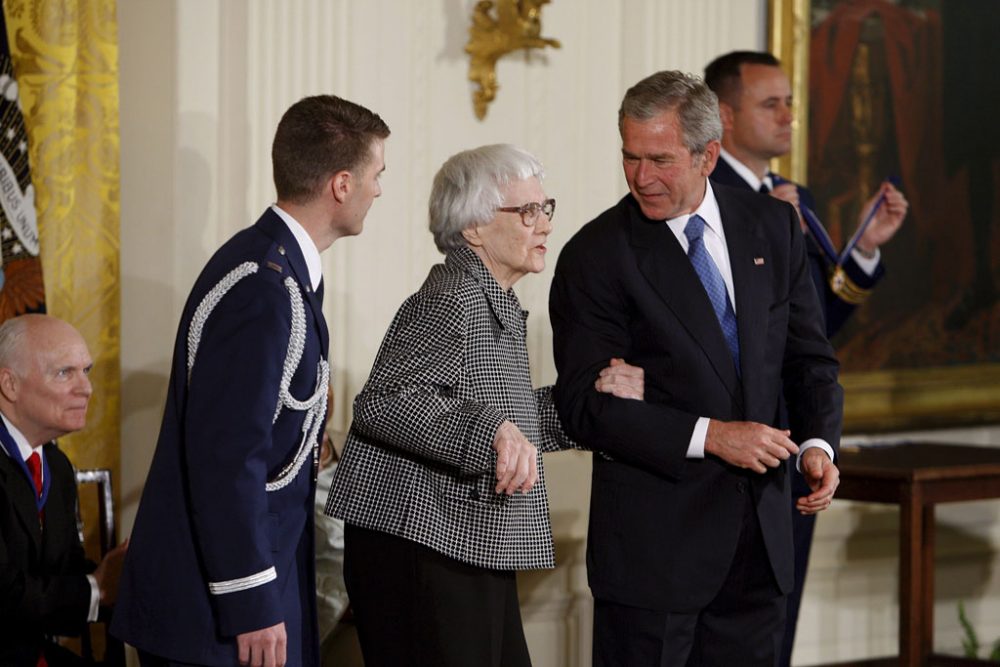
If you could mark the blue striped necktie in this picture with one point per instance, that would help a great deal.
(714, 285)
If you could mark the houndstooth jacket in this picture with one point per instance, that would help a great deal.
(419, 460)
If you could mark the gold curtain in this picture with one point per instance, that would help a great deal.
(65, 56)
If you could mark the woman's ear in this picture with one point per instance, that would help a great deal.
(471, 236)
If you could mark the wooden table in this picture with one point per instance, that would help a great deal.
(917, 476)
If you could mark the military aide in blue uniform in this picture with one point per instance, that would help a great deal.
(221, 564)
(755, 101)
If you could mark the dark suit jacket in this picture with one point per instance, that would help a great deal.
(663, 528)
(835, 309)
(205, 516)
(43, 584)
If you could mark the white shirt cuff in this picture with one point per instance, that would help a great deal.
(95, 599)
(809, 444)
(696, 448)
(865, 264)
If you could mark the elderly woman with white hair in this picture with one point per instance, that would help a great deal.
(441, 483)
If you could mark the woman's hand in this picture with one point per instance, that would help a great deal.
(517, 460)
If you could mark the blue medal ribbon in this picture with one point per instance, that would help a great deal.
(14, 452)
(819, 232)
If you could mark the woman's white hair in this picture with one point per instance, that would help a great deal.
(468, 189)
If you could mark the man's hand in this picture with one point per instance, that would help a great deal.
(887, 220)
(517, 460)
(109, 572)
(823, 478)
(622, 380)
(748, 444)
(263, 648)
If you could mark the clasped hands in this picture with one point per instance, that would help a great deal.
(758, 447)
(517, 458)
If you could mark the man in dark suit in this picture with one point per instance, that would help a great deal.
(47, 586)
(221, 567)
(706, 288)
(755, 105)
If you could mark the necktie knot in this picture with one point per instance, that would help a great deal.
(35, 468)
(694, 230)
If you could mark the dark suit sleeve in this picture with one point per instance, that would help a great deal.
(809, 366)
(51, 597)
(232, 396)
(589, 310)
(408, 401)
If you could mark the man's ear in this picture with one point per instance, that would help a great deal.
(471, 236)
(9, 384)
(726, 115)
(340, 185)
(710, 156)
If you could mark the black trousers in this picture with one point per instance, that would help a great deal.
(802, 535)
(742, 625)
(415, 607)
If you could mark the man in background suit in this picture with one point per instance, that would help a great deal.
(47, 586)
(707, 289)
(221, 568)
(755, 105)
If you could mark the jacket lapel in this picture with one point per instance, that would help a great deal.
(748, 257)
(21, 494)
(663, 263)
(275, 227)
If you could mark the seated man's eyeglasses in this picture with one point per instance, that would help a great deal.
(529, 212)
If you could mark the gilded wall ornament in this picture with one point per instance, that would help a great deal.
(517, 25)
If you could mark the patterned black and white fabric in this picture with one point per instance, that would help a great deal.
(419, 460)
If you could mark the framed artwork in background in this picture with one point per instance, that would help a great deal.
(905, 90)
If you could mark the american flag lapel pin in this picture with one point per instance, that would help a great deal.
(758, 261)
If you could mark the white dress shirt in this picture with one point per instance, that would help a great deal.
(308, 247)
(746, 173)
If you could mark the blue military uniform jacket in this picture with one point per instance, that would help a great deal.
(223, 540)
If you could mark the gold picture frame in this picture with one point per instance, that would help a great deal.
(882, 400)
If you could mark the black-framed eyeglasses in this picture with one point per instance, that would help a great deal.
(529, 212)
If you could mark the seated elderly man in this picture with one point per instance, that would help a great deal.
(47, 586)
